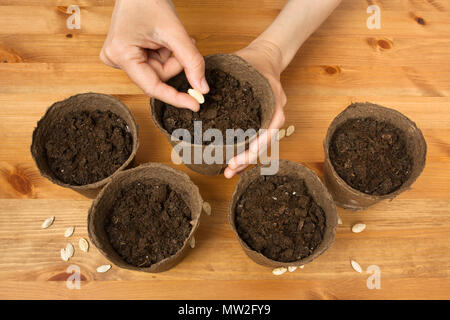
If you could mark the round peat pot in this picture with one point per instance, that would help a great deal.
(315, 191)
(90, 102)
(100, 211)
(350, 198)
(243, 72)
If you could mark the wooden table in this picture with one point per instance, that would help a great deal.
(404, 65)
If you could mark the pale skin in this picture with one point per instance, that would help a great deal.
(147, 40)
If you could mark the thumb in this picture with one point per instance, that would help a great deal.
(187, 54)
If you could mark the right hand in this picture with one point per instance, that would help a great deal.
(147, 40)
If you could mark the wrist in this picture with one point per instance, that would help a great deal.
(271, 52)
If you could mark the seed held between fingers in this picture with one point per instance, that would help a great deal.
(196, 95)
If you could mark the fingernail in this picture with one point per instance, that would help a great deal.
(204, 85)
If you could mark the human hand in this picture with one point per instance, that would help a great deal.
(265, 57)
(142, 37)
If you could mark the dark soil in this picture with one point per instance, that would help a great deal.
(230, 104)
(277, 217)
(84, 147)
(371, 155)
(147, 223)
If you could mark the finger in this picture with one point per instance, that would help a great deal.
(147, 79)
(190, 58)
(161, 55)
(167, 70)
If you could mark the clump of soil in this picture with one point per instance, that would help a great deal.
(371, 155)
(84, 147)
(230, 104)
(147, 223)
(277, 217)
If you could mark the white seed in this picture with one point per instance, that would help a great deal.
(69, 231)
(196, 95)
(281, 134)
(103, 268)
(356, 266)
(47, 222)
(339, 220)
(290, 130)
(69, 250)
(302, 266)
(83, 244)
(192, 243)
(359, 227)
(207, 208)
(292, 268)
(64, 255)
(279, 271)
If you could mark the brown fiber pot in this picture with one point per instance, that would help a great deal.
(242, 71)
(349, 198)
(84, 101)
(316, 189)
(177, 180)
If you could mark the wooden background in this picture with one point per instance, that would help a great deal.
(404, 65)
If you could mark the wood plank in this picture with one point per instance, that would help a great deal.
(95, 20)
(373, 51)
(71, 78)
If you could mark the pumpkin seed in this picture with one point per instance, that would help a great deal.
(69, 250)
(290, 130)
(103, 268)
(47, 222)
(281, 134)
(359, 227)
(83, 244)
(196, 95)
(356, 266)
(207, 208)
(279, 271)
(292, 268)
(69, 231)
(192, 243)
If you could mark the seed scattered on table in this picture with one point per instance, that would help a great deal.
(207, 208)
(279, 271)
(196, 95)
(302, 266)
(281, 134)
(69, 250)
(192, 243)
(47, 222)
(83, 244)
(103, 268)
(359, 227)
(339, 220)
(356, 266)
(290, 130)
(292, 268)
(69, 231)
(64, 255)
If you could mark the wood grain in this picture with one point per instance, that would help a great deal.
(404, 65)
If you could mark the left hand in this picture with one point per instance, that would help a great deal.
(265, 57)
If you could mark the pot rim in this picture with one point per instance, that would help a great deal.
(330, 229)
(195, 217)
(100, 183)
(344, 115)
